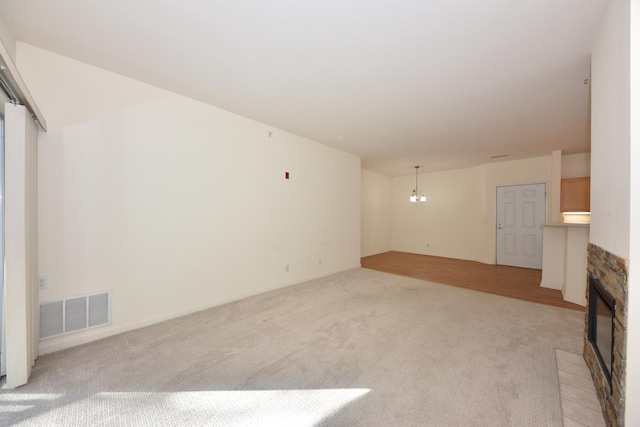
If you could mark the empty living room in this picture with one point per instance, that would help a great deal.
(245, 213)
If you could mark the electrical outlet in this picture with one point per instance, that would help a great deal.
(286, 268)
(42, 282)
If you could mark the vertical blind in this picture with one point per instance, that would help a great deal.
(21, 298)
(20, 303)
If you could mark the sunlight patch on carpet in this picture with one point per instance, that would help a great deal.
(227, 408)
(253, 407)
(24, 401)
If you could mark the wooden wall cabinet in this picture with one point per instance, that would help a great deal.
(575, 195)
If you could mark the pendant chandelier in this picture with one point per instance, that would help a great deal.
(414, 195)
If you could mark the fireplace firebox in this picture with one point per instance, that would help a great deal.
(601, 326)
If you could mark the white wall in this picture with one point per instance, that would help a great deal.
(447, 223)
(7, 38)
(615, 186)
(632, 416)
(610, 132)
(376, 213)
(576, 165)
(173, 204)
(458, 219)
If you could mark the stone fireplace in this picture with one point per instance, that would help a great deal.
(606, 330)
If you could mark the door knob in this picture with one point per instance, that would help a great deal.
(500, 226)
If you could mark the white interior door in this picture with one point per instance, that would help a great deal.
(520, 213)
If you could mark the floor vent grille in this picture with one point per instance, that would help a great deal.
(74, 314)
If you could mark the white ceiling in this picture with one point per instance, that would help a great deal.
(440, 83)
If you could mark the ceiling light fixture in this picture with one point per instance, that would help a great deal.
(414, 195)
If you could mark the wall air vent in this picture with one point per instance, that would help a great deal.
(74, 314)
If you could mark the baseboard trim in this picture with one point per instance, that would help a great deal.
(551, 285)
(240, 296)
(578, 301)
(46, 347)
(442, 255)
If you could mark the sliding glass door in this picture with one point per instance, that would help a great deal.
(2, 324)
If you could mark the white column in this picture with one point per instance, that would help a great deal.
(554, 240)
(556, 177)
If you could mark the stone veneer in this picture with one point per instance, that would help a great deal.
(612, 272)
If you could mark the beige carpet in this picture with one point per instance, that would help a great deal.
(357, 348)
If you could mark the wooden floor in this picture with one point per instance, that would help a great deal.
(512, 282)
